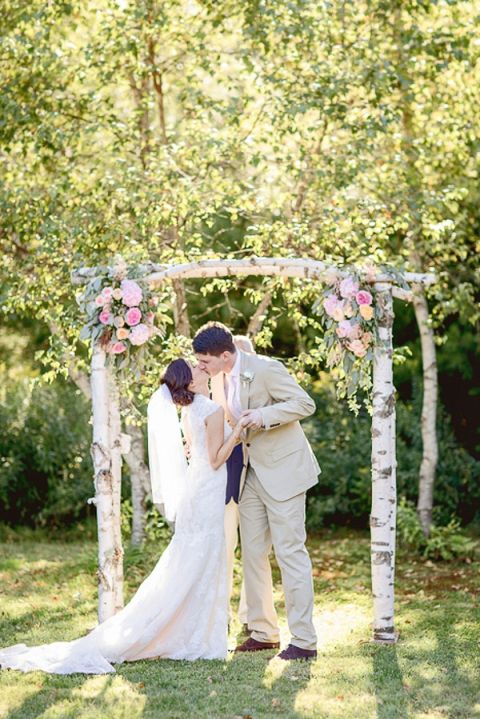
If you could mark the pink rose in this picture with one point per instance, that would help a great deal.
(139, 334)
(133, 316)
(118, 348)
(364, 298)
(100, 300)
(107, 292)
(348, 288)
(357, 347)
(105, 317)
(330, 304)
(347, 329)
(131, 293)
(153, 302)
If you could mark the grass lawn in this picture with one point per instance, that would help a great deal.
(48, 593)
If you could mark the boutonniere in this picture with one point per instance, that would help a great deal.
(247, 377)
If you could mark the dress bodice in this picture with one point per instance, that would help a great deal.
(194, 427)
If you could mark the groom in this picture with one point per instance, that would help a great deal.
(278, 468)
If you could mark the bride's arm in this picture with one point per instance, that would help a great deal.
(218, 449)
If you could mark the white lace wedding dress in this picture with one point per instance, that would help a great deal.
(180, 611)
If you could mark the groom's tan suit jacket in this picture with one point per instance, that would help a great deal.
(279, 452)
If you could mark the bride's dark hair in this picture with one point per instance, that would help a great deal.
(177, 377)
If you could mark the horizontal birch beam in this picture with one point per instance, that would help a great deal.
(272, 266)
(85, 274)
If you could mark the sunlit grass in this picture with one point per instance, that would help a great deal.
(48, 592)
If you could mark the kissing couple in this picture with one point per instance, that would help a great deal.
(181, 610)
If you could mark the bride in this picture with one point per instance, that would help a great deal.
(180, 611)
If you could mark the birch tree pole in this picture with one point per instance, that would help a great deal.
(134, 455)
(105, 463)
(115, 427)
(429, 412)
(383, 514)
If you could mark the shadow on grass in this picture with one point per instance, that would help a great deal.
(392, 700)
(51, 691)
(453, 692)
(246, 685)
(24, 623)
(438, 661)
(293, 680)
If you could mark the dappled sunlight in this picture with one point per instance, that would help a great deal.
(16, 691)
(341, 624)
(273, 672)
(322, 683)
(307, 705)
(115, 692)
(432, 673)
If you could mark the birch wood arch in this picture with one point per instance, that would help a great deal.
(107, 438)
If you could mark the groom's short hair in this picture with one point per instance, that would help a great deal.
(213, 339)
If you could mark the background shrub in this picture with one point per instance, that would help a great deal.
(342, 445)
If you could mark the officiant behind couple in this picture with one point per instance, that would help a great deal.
(180, 611)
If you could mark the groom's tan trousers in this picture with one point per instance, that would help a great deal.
(264, 522)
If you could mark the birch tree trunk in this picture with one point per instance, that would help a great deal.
(132, 447)
(116, 453)
(134, 456)
(383, 515)
(428, 465)
(260, 314)
(103, 480)
(180, 311)
(414, 243)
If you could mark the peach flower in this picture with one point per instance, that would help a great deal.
(357, 347)
(366, 312)
(338, 313)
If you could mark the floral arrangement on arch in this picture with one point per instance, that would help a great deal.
(350, 319)
(122, 313)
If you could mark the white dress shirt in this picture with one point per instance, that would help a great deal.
(232, 381)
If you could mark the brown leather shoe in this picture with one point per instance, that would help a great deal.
(251, 645)
(293, 652)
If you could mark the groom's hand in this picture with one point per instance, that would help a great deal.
(252, 419)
